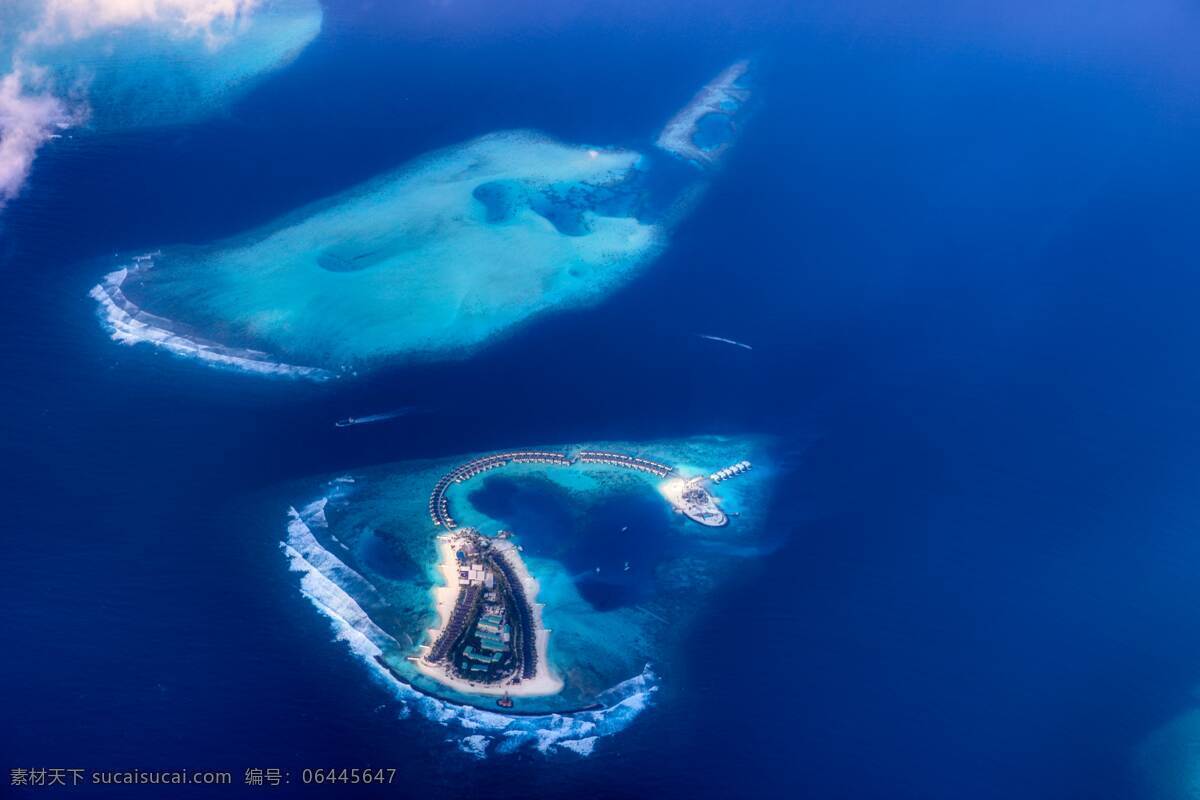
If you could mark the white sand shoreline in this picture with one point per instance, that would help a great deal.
(707, 513)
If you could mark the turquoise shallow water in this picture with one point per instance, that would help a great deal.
(615, 599)
(415, 263)
(429, 261)
(959, 241)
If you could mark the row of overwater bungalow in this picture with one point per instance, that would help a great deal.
(729, 472)
(626, 461)
(439, 507)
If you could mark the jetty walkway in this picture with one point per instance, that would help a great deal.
(627, 461)
(439, 505)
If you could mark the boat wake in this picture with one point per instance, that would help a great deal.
(722, 339)
(382, 417)
(328, 583)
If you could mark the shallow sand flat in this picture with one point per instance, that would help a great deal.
(432, 260)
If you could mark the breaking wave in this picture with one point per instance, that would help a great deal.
(129, 324)
(327, 582)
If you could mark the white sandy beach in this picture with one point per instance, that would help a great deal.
(444, 597)
(709, 514)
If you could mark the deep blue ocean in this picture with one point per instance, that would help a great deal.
(962, 242)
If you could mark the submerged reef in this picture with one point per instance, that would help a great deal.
(706, 127)
(432, 259)
(531, 588)
(427, 262)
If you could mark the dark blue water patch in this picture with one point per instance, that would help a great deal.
(380, 555)
(352, 256)
(563, 205)
(499, 199)
(644, 194)
(610, 547)
(534, 507)
(713, 131)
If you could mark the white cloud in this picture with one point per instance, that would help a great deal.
(32, 110)
(29, 115)
(79, 19)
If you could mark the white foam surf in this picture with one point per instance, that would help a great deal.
(129, 324)
(322, 581)
(477, 732)
(582, 746)
(475, 745)
(324, 563)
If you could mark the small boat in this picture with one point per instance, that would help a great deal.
(505, 702)
(383, 417)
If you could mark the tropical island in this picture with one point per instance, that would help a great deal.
(538, 582)
(490, 639)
